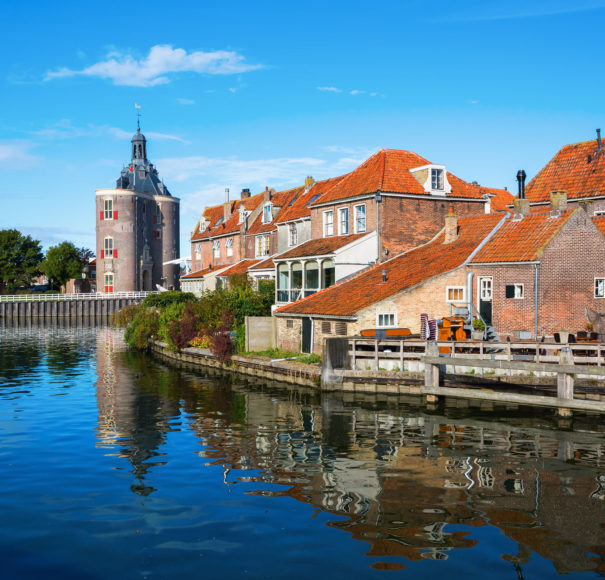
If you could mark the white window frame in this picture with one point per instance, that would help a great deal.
(109, 277)
(437, 174)
(198, 251)
(267, 216)
(216, 248)
(261, 246)
(292, 234)
(108, 247)
(455, 300)
(342, 231)
(601, 290)
(328, 223)
(357, 208)
(599, 212)
(108, 209)
(389, 316)
(519, 291)
(229, 246)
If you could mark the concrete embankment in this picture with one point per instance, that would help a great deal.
(70, 309)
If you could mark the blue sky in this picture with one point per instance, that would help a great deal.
(248, 94)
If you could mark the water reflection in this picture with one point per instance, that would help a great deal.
(412, 485)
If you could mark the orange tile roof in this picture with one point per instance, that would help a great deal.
(501, 197)
(576, 168)
(346, 298)
(239, 268)
(202, 273)
(300, 208)
(523, 240)
(212, 215)
(319, 247)
(281, 199)
(599, 221)
(267, 264)
(388, 170)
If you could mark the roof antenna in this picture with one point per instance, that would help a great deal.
(138, 117)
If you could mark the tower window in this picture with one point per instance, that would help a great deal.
(108, 282)
(108, 249)
(108, 209)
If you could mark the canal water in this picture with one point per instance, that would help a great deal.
(114, 465)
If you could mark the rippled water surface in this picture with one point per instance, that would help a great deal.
(114, 465)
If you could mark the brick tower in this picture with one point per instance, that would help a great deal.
(137, 228)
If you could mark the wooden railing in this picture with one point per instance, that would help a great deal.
(39, 297)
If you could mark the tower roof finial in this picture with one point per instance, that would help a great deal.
(138, 117)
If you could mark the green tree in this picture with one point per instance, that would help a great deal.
(62, 263)
(20, 258)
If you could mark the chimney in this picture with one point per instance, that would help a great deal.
(245, 193)
(226, 211)
(451, 227)
(268, 193)
(226, 194)
(521, 208)
(309, 182)
(599, 145)
(521, 181)
(384, 275)
(558, 202)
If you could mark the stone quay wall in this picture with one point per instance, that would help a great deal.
(67, 309)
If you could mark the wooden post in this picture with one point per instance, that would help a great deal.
(354, 356)
(376, 354)
(401, 355)
(565, 381)
(431, 371)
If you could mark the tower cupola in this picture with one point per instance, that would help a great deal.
(139, 148)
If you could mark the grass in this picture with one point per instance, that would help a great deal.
(275, 353)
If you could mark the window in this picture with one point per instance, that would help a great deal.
(599, 212)
(262, 245)
(243, 214)
(386, 319)
(340, 328)
(108, 251)
(216, 248)
(157, 218)
(437, 179)
(360, 218)
(289, 323)
(326, 327)
(454, 294)
(283, 283)
(108, 282)
(343, 220)
(292, 235)
(142, 174)
(599, 287)
(229, 246)
(515, 291)
(108, 212)
(198, 251)
(328, 223)
(157, 234)
(267, 217)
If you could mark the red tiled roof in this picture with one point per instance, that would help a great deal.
(523, 240)
(202, 273)
(267, 264)
(570, 169)
(319, 247)
(300, 208)
(501, 197)
(599, 221)
(212, 215)
(388, 170)
(346, 298)
(239, 268)
(280, 199)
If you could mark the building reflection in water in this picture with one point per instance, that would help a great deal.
(412, 485)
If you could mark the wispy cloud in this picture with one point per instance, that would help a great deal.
(356, 92)
(329, 89)
(64, 129)
(352, 92)
(185, 101)
(16, 155)
(156, 68)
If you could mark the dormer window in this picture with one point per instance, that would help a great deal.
(437, 178)
(243, 214)
(267, 216)
(433, 179)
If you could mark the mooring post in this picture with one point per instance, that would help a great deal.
(565, 380)
(431, 371)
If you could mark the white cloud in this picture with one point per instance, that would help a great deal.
(329, 89)
(16, 155)
(162, 60)
(356, 92)
(186, 101)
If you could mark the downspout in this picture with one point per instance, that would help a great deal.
(378, 199)
(536, 301)
(469, 292)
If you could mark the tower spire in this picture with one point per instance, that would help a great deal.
(138, 107)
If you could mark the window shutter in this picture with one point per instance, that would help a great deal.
(101, 215)
(115, 253)
(102, 254)
(155, 219)
(510, 290)
(115, 214)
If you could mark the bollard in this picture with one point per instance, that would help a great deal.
(565, 381)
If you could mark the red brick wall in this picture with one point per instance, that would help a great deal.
(566, 275)
(406, 222)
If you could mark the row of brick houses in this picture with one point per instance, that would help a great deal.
(399, 236)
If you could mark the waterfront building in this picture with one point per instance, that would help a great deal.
(137, 226)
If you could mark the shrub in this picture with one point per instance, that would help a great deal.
(165, 299)
(144, 326)
(124, 317)
(200, 342)
(168, 316)
(182, 330)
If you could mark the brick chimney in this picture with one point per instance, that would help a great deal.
(558, 201)
(245, 194)
(451, 227)
(227, 210)
(268, 193)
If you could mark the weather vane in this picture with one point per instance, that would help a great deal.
(138, 116)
